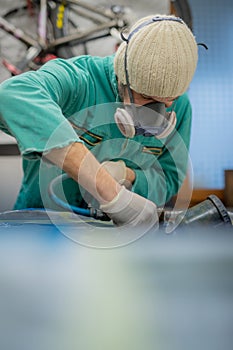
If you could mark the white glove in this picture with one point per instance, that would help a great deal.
(128, 209)
(118, 171)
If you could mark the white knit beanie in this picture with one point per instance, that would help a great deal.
(161, 57)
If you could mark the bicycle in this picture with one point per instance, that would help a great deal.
(42, 30)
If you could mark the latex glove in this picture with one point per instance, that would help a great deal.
(128, 209)
(118, 171)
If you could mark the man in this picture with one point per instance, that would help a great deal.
(85, 115)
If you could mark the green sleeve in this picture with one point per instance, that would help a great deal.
(162, 179)
(34, 106)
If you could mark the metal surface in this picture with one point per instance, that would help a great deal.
(210, 213)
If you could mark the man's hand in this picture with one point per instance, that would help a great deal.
(118, 170)
(128, 209)
(125, 208)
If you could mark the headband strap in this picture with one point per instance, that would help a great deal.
(150, 21)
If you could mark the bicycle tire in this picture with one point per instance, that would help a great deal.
(181, 8)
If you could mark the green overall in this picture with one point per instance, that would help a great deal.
(74, 100)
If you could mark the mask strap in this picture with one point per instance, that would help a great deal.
(204, 45)
(127, 77)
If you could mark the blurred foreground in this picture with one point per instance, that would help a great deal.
(165, 292)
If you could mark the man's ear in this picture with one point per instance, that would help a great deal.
(122, 90)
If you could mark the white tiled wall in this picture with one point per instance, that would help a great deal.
(211, 93)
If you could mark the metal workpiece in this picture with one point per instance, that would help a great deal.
(209, 213)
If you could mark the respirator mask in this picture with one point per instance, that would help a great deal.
(148, 120)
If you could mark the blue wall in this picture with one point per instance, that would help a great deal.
(211, 93)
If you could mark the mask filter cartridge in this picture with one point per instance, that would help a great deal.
(148, 120)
